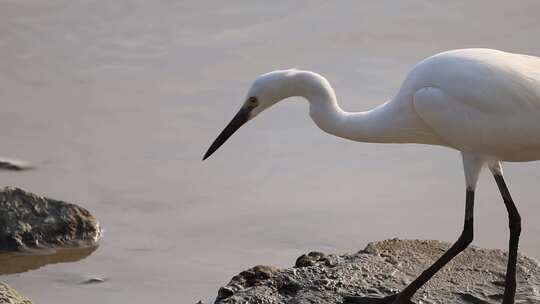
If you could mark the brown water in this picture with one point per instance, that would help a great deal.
(17, 262)
(116, 102)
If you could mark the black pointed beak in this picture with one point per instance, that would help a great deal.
(238, 120)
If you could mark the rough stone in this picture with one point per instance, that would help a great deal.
(14, 164)
(381, 269)
(94, 280)
(246, 279)
(28, 221)
(9, 295)
(310, 259)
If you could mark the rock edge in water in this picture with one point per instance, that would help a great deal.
(12, 164)
(383, 268)
(29, 221)
(11, 296)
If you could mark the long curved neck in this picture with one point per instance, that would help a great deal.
(382, 124)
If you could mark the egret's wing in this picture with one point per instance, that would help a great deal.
(471, 125)
(487, 80)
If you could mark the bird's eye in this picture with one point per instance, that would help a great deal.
(252, 101)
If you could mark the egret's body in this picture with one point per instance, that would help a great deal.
(484, 103)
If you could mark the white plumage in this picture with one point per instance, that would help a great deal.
(484, 103)
(479, 101)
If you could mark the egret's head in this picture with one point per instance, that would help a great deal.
(266, 90)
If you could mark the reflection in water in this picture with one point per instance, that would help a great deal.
(16, 262)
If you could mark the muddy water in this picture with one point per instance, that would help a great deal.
(116, 101)
(18, 262)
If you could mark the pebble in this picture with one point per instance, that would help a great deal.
(94, 280)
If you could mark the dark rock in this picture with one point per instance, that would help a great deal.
(14, 164)
(224, 292)
(28, 221)
(290, 287)
(384, 268)
(246, 279)
(94, 280)
(11, 296)
(310, 259)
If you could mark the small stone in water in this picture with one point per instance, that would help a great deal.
(94, 280)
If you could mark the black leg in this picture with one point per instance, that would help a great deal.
(515, 230)
(463, 241)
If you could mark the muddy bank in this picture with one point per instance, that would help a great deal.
(29, 221)
(382, 268)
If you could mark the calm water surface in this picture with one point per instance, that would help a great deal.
(116, 101)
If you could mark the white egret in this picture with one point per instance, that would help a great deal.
(484, 103)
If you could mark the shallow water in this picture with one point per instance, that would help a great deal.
(117, 101)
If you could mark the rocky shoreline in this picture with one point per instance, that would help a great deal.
(11, 296)
(31, 223)
(476, 276)
(35, 231)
